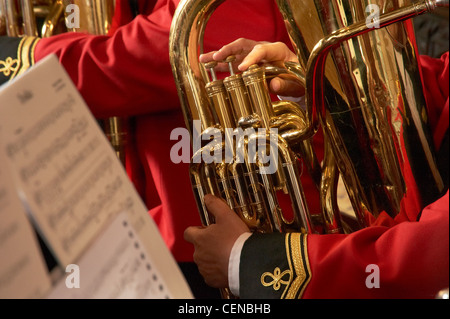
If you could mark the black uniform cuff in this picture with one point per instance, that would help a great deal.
(274, 266)
(16, 56)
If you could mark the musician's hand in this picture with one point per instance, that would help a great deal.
(213, 244)
(249, 52)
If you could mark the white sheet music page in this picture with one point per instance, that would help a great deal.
(23, 273)
(121, 271)
(74, 186)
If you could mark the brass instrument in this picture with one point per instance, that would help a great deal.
(94, 18)
(19, 19)
(363, 89)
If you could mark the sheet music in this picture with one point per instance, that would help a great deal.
(23, 273)
(72, 181)
(105, 271)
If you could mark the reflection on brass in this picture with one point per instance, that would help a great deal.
(17, 18)
(53, 18)
(363, 89)
(117, 135)
(95, 16)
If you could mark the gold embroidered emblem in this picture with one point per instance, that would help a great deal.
(8, 66)
(297, 275)
(277, 278)
(296, 249)
(25, 58)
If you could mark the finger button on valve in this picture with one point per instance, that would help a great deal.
(210, 66)
(230, 61)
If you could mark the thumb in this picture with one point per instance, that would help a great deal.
(191, 233)
(224, 215)
(286, 87)
(216, 206)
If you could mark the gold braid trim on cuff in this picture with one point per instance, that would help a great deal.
(25, 55)
(297, 254)
(297, 276)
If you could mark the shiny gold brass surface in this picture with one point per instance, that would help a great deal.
(363, 89)
(117, 135)
(376, 121)
(53, 19)
(95, 16)
(18, 18)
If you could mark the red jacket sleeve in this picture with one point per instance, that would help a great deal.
(409, 260)
(127, 73)
(412, 259)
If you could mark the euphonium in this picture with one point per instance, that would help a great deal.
(358, 64)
